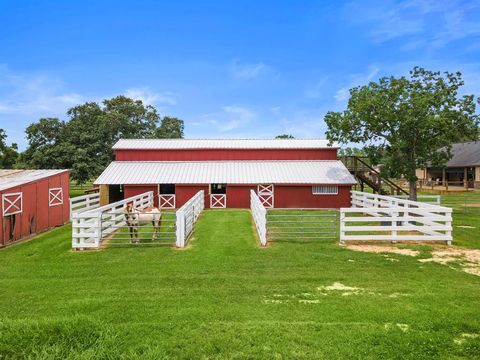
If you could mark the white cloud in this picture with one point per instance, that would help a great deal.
(421, 22)
(343, 93)
(149, 97)
(316, 90)
(248, 71)
(29, 94)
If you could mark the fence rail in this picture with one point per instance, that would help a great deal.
(302, 224)
(90, 227)
(379, 217)
(84, 203)
(259, 214)
(187, 216)
(428, 199)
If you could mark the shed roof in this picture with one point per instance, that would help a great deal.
(229, 172)
(187, 144)
(13, 178)
(465, 154)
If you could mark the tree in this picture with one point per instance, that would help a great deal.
(409, 122)
(84, 143)
(8, 154)
(351, 151)
(284, 136)
(45, 140)
(170, 128)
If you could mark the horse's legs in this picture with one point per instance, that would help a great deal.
(130, 230)
(155, 229)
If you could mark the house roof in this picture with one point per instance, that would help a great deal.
(229, 172)
(188, 144)
(13, 178)
(465, 154)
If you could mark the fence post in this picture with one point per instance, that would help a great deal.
(342, 226)
(180, 232)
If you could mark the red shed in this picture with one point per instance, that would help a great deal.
(32, 201)
(286, 173)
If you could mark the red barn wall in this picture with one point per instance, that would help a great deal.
(238, 196)
(185, 192)
(226, 154)
(295, 196)
(37, 215)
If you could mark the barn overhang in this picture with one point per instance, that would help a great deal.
(328, 172)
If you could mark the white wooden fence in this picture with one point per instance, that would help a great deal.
(84, 203)
(428, 199)
(379, 217)
(187, 216)
(89, 227)
(259, 214)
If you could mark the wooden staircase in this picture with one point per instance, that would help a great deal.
(367, 175)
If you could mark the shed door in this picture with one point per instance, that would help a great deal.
(265, 193)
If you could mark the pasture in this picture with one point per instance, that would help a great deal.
(226, 297)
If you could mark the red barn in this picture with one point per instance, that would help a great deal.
(32, 201)
(286, 173)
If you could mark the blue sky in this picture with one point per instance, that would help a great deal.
(228, 68)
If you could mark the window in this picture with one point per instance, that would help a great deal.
(12, 203)
(324, 190)
(55, 196)
(218, 188)
(167, 189)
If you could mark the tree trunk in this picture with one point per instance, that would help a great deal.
(413, 190)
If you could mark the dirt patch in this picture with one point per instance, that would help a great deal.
(382, 249)
(469, 260)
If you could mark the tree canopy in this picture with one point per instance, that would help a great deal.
(409, 122)
(84, 142)
(8, 154)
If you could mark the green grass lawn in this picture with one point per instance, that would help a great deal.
(225, 297)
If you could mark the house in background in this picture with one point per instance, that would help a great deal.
(463, 169)
(285, 173)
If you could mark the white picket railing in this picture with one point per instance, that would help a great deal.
(84, 203)
(187, 216)
(89, 227)
(259, 214)
(400, 220)
(427, 199)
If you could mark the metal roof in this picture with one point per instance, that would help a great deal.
(465, 154)
(185, 144)
(13, 178)
(228, 172)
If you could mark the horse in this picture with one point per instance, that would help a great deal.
(134, 218)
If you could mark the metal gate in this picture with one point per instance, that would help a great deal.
(265, 194)
(115, 232)
(302, 225)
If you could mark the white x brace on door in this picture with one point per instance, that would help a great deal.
(218, 201)
(166, 201)
(12, 203)
(265, 194)
(55, 196)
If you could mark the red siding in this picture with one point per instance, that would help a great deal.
(226, 154)
(185, 192)
(294, 196)
(133, 190)
(238, 196)
(37, 215)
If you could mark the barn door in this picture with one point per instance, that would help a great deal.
(218, 196)
(265, 194)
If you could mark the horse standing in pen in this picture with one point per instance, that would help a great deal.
(134, 218)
